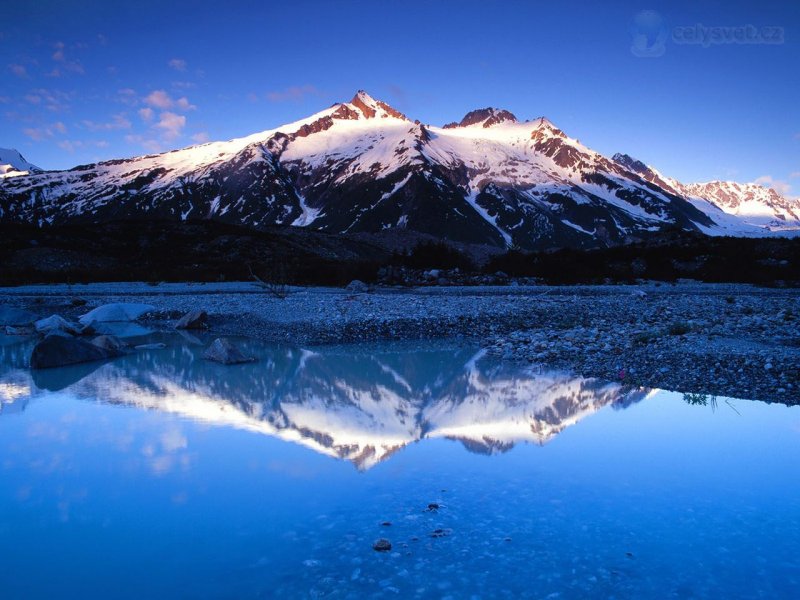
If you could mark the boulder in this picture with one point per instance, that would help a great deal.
(118, 311)
(382, 545)
(16, 317)
(56, 323)
(222, 351)
(59, 351)
(358, 287)
(196, 319)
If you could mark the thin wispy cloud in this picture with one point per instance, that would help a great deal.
(184, 104)
(158, 99)
(177, 64)
(162, 100)
(171, 124)
(149, 144)
(38, 134)
(64, 65)
(52, 100)
(19, 71)
(293, 93)
(146, 114)
(118, 121)
(780, 186)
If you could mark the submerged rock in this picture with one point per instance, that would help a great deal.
(23, 330)
(222, 351)
(58, 351)
(16, 317)
(153, 346)
(55, 323)
(196, 319)
(382, 545)
(109, 342)
(118, 311)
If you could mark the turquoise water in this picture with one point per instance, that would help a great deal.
(161, 475)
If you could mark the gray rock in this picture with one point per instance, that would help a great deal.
(382, 545)
(16, 317)
(117, 311)
(56, 323)
(222, 351)
(359, 287)
(196, 319)
(59, 351)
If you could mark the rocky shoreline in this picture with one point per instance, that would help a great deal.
(706, 339)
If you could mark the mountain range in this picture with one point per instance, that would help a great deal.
(364, 167)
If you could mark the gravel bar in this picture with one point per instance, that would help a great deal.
(716, 339)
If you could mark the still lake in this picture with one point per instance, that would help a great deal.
(162, 475)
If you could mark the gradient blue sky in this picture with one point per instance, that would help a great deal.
(89, 80)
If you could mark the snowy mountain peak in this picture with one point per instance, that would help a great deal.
(13, 163)
(484, 117)
(371, 108)
(631, 163)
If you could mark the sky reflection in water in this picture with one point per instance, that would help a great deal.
(159, 474)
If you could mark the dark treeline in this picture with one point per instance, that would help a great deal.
(773, 261)
(210, 251)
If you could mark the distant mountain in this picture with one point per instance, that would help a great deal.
(13, 163)
(363, 166)
(752, 203)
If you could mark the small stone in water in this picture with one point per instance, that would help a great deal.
(382, 545)
(433, 506)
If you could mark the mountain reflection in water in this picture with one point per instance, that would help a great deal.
(359, 403)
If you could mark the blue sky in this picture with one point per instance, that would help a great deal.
(89, 80)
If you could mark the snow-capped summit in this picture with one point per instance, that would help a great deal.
(362, 166)
(12, 163)
(483, 117)
(375, 109)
